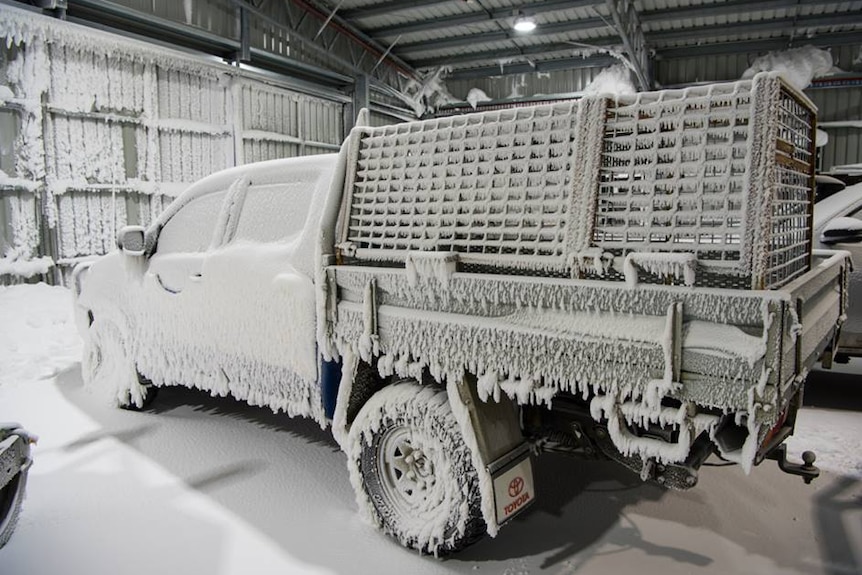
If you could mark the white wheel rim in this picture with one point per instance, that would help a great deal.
(406, 471)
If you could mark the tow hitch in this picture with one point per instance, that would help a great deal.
(806, 469)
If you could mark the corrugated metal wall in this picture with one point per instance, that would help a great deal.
(279, 124)
(216, 16)
(720, 68)
(834, 104)
(99, 140)
(839, 104)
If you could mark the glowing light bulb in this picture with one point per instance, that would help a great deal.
(524, 24)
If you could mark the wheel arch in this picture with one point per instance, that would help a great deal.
(490, 430)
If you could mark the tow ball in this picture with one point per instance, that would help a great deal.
(807, 470)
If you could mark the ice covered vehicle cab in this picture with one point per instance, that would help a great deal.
(215, 294)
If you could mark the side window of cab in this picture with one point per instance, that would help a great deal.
(274, 212)
(193, 227)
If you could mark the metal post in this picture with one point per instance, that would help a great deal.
(628, 26)
(244, 36)
(361, 97)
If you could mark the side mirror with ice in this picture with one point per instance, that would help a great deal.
(131, 240)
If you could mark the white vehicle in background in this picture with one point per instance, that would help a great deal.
(838, 226)
(627, 279)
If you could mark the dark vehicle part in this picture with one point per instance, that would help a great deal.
(150, 393)
(807, 470)
(569, 428)
(14, 464)
(106, 358)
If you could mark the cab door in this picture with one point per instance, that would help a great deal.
(177, 342)
(267, 315)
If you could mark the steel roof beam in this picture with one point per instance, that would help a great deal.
(726, 8)
(123, 20)
(628, 26)
(651, 38)
(757, 46)
(700, 32)
(427, 25)
(338, 43)
(386, 8)
(513, 52)
(496, 36)
(525, 68)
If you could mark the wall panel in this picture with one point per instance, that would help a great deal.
(102, 131)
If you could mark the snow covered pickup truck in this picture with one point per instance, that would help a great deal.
(628, 278)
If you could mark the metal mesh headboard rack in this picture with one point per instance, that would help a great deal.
(492, 186)
(789, 253)
(724, 172)
(674, 171)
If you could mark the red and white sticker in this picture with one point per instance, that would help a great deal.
(513, 490)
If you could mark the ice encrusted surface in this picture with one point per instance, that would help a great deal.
(437, 265)
(19, 255)
(25, 268)
(530, 339)
(799, 66)
(470, 181)
(493, 294)
(536, 188)
(22, 27)
(233, 318)
(662, 265)
(252, 337)
(679, 184)
(475, 96)
(613, 80)
(106, 119)
(422, 410)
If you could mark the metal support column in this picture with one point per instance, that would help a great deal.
(361, 98)
(244, 54)
(629, 28)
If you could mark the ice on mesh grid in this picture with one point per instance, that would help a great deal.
(466, 184)
(704, 170)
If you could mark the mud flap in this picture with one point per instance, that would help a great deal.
(514, 489)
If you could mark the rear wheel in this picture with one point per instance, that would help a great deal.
(417, 477)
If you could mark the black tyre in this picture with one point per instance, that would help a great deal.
(11, 497)
(416, 474)
(150, 392)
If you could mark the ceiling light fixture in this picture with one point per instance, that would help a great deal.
(524, 24)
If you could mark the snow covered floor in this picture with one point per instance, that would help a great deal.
(198, 485)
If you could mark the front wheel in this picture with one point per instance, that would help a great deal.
(416, 475)
(108, 366)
